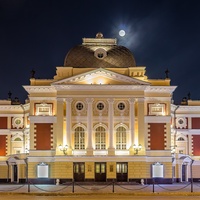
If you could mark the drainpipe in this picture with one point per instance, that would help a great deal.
(23, 125)
(175, 125)
(8, 172)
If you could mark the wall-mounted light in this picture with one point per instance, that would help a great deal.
(137, 148)
(63, 148)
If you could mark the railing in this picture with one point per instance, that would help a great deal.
(96, 187)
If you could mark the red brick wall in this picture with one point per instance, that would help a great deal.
(3, 122)
(157, 136)
(196, 146)
(2, 145)
(195, 123)
(43, 136)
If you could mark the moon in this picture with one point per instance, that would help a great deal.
(122, 33)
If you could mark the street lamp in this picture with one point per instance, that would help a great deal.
(63, 149)
(137, 148)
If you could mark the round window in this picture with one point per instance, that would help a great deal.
(121, 106)
(100, 106)
(79, 106)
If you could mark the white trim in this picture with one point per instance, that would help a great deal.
(43, 119)
(157, 119)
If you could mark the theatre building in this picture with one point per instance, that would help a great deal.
(100, 118)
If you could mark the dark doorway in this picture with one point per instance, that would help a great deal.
(79, 171)
(184, 171)
(15, 172)
(122, 172)
(100, 172)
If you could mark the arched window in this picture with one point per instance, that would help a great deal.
(79, 138)
(181, 139)
(100, 138)
(121, 138)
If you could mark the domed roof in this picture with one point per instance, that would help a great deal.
(99, 52)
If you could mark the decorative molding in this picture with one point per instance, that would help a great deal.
(101, 87)
(160, 89)
(43, 119)
(39, 89)
(157, 119)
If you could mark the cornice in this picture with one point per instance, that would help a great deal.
(101, 87)
(160, 89)
(39, 89)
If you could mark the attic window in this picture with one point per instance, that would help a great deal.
(100, 53)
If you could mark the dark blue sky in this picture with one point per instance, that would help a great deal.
(37, 34)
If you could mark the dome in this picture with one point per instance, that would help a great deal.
(99, 52)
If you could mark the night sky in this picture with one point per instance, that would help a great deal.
(162, 34)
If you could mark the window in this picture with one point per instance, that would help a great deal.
(79, 106)
(121, 138)
(79, 138)
(100, 106)
(181, 139)
(121, 106)
(100, 138)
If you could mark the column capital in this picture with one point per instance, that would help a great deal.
(131, 100)
(140, 100)
(60, 99)
(69, 99)
(89, 100)
(110, 100)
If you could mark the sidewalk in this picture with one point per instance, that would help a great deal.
(176, 189)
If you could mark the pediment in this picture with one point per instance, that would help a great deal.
(100, 76)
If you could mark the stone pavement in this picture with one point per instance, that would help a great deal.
(107, 188)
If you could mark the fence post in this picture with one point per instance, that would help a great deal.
(73, 186)
(28, 186)
(113, 186)
(153, 186)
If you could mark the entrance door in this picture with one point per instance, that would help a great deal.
(15, 173)
(184, 171)
(100, 172)
(122, 172)
(79, 171)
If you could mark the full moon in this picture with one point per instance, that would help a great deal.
(122, 33)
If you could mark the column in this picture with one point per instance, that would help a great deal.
(59, 125)
(89, 148)
(131, 123)
(67, 138)
(141, 125)
(111, 149)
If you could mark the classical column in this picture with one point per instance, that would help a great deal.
(141, 125)
(89, 148)
(111, 149)
(68, 125)
(59, 125)
(131, 123)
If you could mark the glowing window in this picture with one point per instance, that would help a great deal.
(121, 138)
(79, 138)
(100, 138)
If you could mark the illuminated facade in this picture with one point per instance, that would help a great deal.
(99, 119)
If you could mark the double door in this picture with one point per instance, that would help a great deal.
(122, 172)
(100, 171)
(79, 171)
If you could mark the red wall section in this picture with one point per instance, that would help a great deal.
(195, 123)
(2, 145)
(157, 136)
(43, 136)
(3, 122)
(196, 146)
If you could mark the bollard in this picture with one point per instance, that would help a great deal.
(113, 186)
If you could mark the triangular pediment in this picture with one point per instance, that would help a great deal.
(100, 76)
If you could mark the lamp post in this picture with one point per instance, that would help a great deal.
(191, 162)
(137, 148)
(63, 149)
